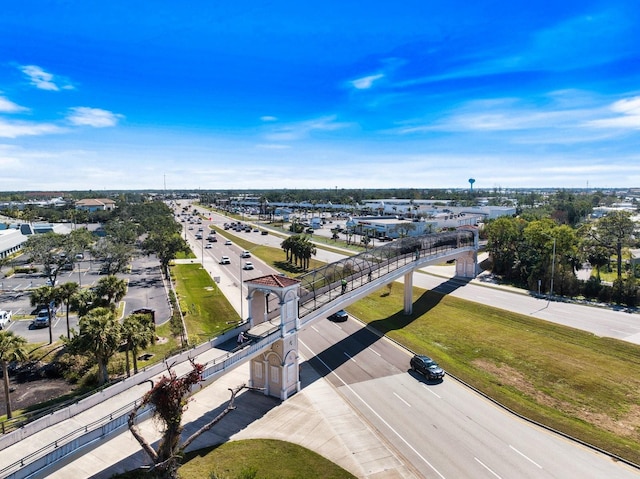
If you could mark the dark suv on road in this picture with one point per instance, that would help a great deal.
(426, 366)
(339, 316)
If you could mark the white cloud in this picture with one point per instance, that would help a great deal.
(43, 80)
(96, 117)
(297, 131)
(365, 83)
(628, 118)
(7, 106)
(268, 118)
(20, 128)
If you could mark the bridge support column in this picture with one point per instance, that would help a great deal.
(277, 370)
(408, 293)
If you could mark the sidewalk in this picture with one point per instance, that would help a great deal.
(316, 418)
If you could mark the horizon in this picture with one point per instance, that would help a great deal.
(153, 97)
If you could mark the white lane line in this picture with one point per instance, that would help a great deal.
(374, 351)
(376, 414)
(429, 389)
(526, 457)
(315, 329)
(352, 359)
(487, 467)
(409, 405)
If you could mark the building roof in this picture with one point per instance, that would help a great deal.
(274, 281)
(95, 202)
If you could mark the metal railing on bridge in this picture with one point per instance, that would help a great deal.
(323, 285)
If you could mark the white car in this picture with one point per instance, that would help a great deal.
(208, 246)
(248, 265)
(245, 254)
(225, 260)
(228, 243)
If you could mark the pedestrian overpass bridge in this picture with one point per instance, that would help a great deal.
(273, 346)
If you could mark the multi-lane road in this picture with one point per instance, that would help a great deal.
(444, 429)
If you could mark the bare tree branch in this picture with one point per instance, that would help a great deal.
(230, 407)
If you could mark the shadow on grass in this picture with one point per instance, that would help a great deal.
(333, 357)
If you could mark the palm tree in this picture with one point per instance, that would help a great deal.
(100, 337)
(67, 291)
(138, 331)
(12, 348)
(46, 295)
(113, 288)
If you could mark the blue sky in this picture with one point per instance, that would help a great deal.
(319, 94)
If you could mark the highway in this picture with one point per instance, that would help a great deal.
(446, 430)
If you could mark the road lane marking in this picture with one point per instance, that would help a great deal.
(396, 395)
(487, 467)
(374, 351)
(315, 329)
(526, 457)
(429, 389)
(375, 413)
(352, 359)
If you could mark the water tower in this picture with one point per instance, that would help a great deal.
(471, 182)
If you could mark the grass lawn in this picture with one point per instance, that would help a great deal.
(207, 312)
(570, 380)
(266, 458)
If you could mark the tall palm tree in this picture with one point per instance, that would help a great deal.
(138, 331)
(113, 288)
(66, 291)
(12, 348)
(46, 295)
(100, 337)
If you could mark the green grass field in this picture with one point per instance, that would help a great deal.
(207, 312)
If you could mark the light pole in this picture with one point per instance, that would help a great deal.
(553, 266)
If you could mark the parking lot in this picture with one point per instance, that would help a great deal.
(146, 289)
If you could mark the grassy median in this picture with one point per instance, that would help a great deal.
(567, 379)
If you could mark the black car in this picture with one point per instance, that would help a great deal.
(339, 316)
(426, 366)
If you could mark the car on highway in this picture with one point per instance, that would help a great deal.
(264, 232)
(248, 265)
(208, 246)
(245, 254)
(228, 243)
(339, 316)
(225, 260)
(426, 366)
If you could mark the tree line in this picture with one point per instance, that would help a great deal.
(543, 255)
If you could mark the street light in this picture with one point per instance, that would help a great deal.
(553, 266)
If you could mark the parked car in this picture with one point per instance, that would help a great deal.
(41, 320)
(245, 254)
(339, 316)
(426, 366)
(248, 265)
(225, 260)
(5, 319)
